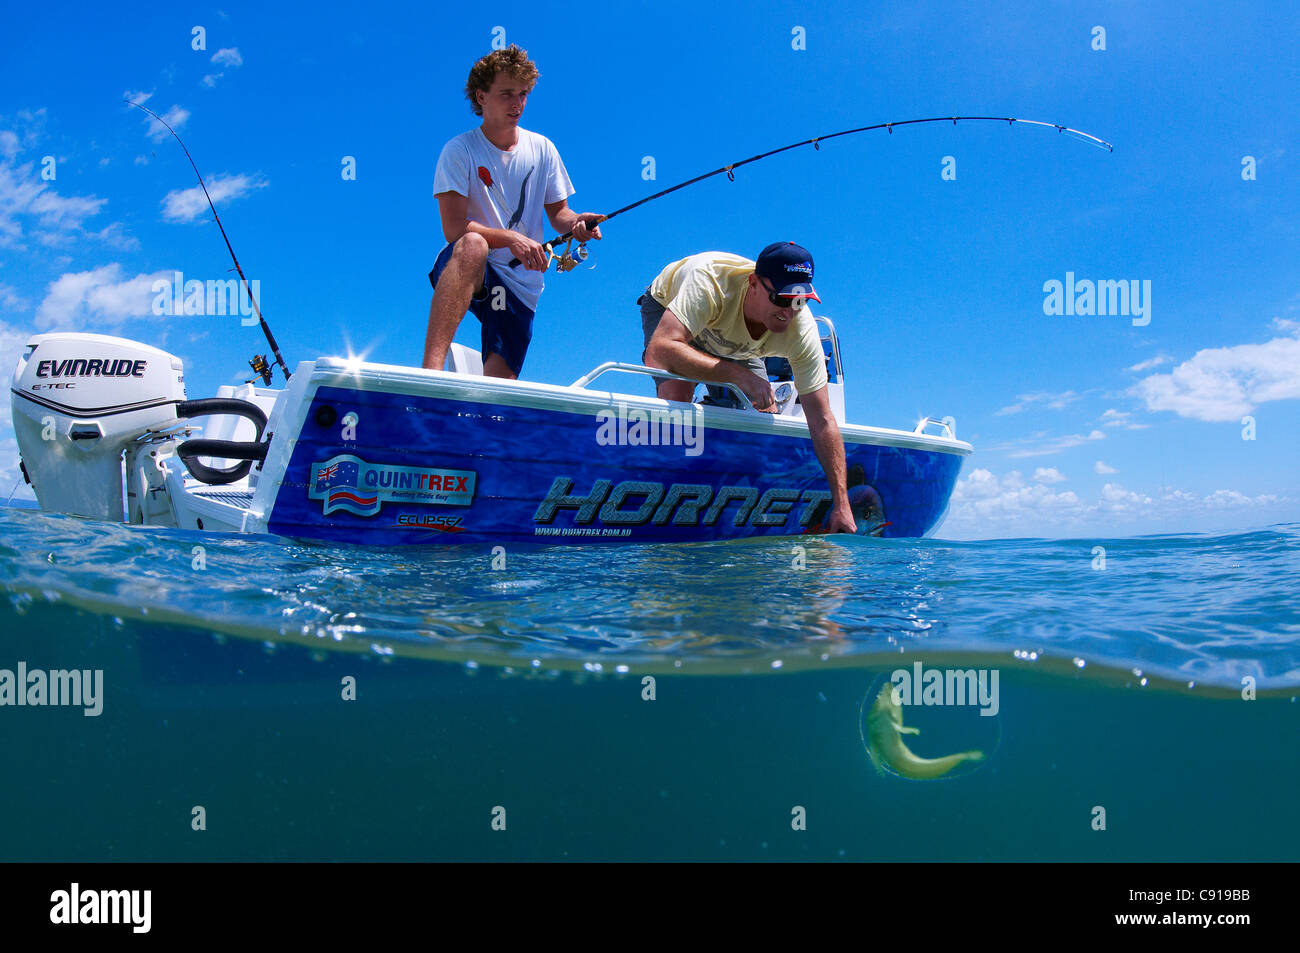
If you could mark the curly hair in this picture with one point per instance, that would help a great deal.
(511, 60)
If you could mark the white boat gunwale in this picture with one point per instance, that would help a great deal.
(393, 378)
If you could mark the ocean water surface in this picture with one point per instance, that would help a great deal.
(277, 699)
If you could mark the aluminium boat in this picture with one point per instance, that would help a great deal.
(359, 452)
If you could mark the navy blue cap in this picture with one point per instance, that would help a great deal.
(789, 268)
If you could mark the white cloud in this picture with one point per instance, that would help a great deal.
(1052, 446)
(27, 130)
(1153, 362)
(1049, 475)
(12, 342)
(174, 117)
(982, 495)
(1115, 497)
(1120, 418)
(228, 56)
(1053, 401)
(11, 301)
(115, 236)
(185, 205)
(1233, 498)
(139, 98)
(141, 160)
(210, 80)
(57, 211)
(24, 195)
(101, 297)
(1286, 324)
(1101, 468)
(1223, 384)
(985, 505)
(977, 485)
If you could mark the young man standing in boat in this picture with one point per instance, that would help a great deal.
(496, 187)
(714, 316)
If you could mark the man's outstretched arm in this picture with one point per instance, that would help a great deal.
(829, 446)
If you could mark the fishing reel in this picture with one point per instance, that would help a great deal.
(571, 257)
(261, 368)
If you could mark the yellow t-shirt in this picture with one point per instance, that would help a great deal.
(707, 291)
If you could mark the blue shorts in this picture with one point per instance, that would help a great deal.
(507, 331)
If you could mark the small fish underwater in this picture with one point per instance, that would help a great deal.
(883, 732)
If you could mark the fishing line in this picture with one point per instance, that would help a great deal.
(258, 363)
(815, 142)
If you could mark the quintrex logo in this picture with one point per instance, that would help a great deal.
(348, 483)
(102, 907)
(803, 268)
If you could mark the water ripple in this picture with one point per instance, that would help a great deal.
(1208, 609)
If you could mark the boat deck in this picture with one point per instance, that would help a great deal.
(240, 498)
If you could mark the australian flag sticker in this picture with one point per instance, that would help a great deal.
(349, 483)
(337, 484)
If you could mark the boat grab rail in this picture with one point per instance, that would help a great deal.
(595, 372)
(947, 423)
(834, 340)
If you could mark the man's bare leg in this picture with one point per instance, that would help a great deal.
(495, 366)
(456, 286)
(675, 390)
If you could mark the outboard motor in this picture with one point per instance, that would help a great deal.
(79, 400)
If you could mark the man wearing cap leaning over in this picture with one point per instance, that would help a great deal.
(714, 316)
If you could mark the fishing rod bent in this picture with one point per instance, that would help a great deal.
(266, 328)
(815, 142)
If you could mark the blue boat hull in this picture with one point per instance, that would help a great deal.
(418, 469)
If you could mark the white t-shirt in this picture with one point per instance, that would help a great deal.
(506, 190)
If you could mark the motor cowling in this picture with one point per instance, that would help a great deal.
(78, 401)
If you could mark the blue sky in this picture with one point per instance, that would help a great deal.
(1084, 426)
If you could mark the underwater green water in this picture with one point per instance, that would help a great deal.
(478, 704)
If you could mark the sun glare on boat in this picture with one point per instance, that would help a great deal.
(352, 362)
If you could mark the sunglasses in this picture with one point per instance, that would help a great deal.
(793, 302)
